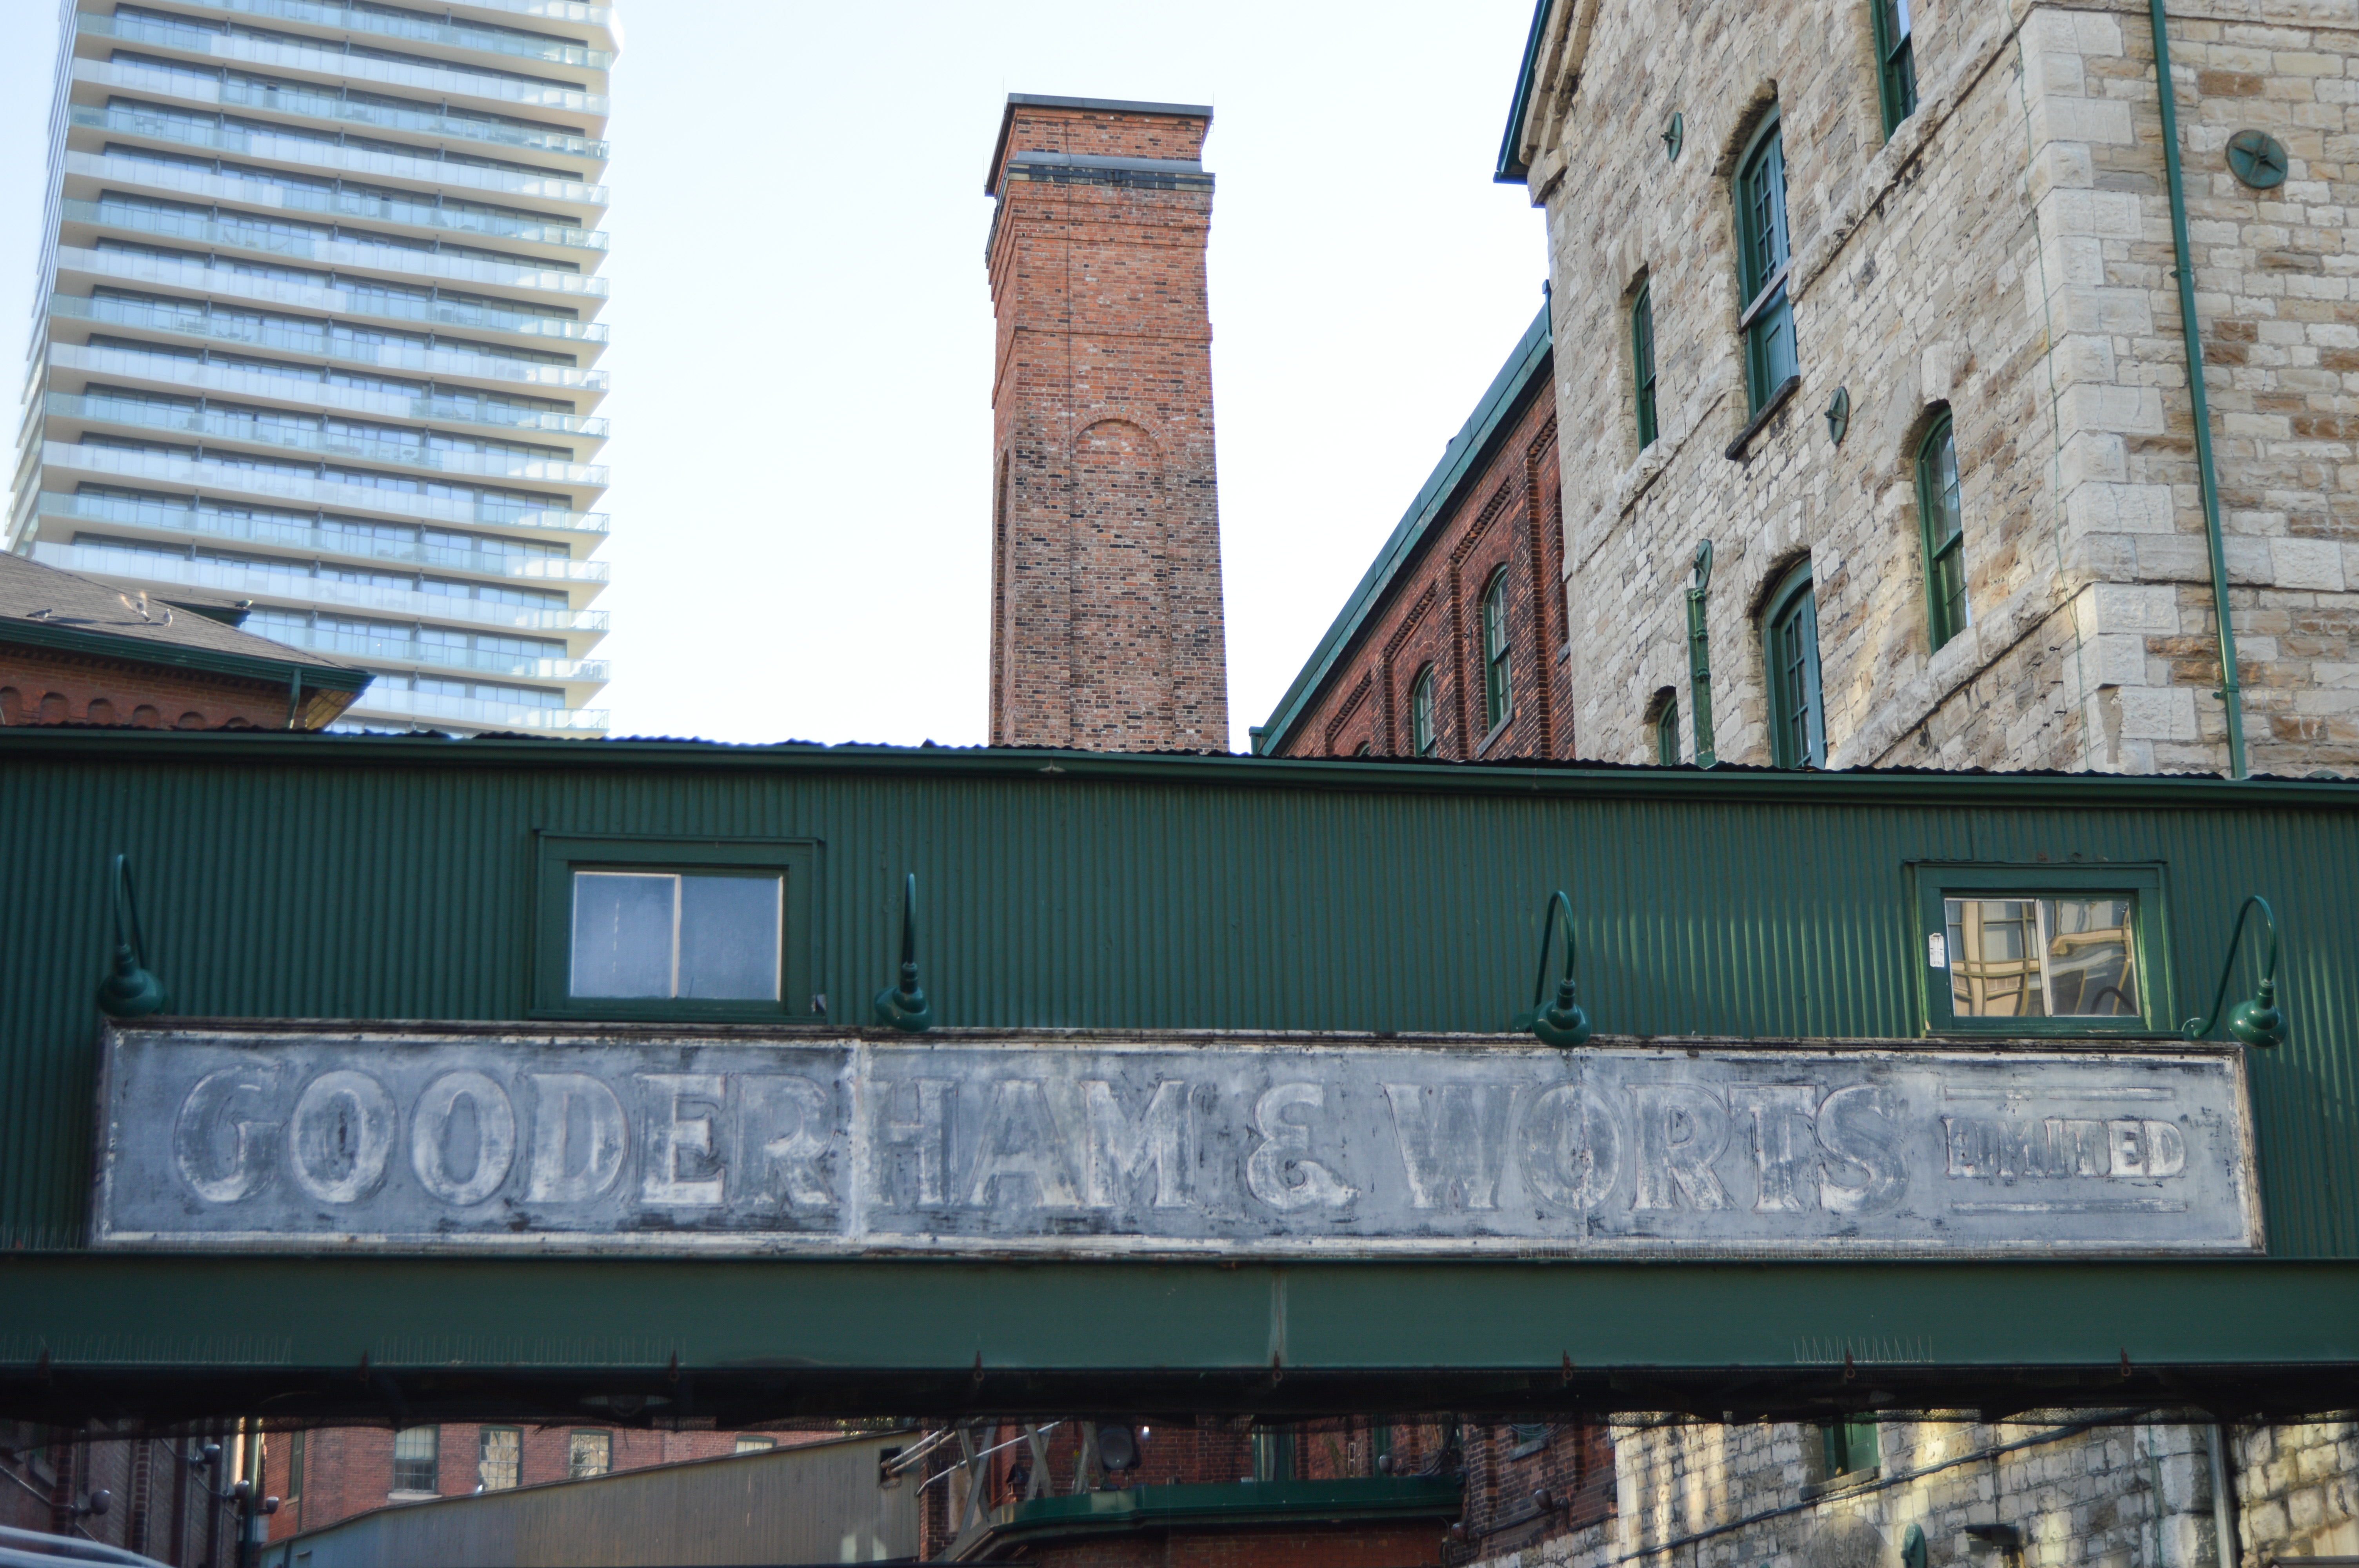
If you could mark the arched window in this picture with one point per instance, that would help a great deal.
(1667, 732)
(1642, 361)
(1944, 527)
(1364, 748)
(1789, 647)
(1768, 319)
(1498, 702)
(1896, 63)
(1420, 713)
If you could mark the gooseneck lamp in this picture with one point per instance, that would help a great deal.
(905, 1006)
(1561, 1024)
(130, 992)
(2257, 1021)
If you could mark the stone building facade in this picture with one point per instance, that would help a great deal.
(2000, 262)
(1454, 643)
(1106, 616)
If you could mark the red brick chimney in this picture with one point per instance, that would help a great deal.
(1106, 632)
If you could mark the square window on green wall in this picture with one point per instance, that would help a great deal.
(2042, 950)
(656, 928)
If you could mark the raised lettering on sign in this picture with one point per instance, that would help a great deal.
(1233, 1144)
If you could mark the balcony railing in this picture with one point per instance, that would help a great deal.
(353, 251)
(342, 543)
(327, 62)
(294, 99)
(475, 712)
(354, 297)
(417, 29)
(409, 650)
(372, 403)
(315, 494)
(229, 425)
(194, 320)
(291, 148)
(256, 581)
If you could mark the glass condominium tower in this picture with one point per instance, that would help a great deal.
(316, 336)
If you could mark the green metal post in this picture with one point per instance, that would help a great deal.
(2230, 694)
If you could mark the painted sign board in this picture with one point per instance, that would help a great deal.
(451, 1139)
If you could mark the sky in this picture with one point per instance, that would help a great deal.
(803, 329)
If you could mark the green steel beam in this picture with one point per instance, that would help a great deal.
(300, 1337)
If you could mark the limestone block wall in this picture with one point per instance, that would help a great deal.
(2005, 255)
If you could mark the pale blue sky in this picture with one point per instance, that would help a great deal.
(802, 331)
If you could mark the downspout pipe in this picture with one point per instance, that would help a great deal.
(2223, 1497)
(2231, 693)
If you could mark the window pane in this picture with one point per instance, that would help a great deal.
(729, 936)
(500, 1460)
(414, 1451)
(755, 1443)
(2041, 957)
(589, 1453)
(1667, 735)
(623, 934)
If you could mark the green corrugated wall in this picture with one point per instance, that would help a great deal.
(335, 877)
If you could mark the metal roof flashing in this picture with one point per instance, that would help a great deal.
(1511, 169)
(1524, 374)
(1049, 101)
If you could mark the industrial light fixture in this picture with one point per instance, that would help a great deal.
(1117, 1447)
(131, 992)
(906, 1007)
(2257, 1021)
(1562, 1024)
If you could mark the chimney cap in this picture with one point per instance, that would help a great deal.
(1049, 101)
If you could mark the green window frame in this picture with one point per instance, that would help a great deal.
(1423, 736)
(1942, 520)
(1789, 648)
(564, 859)
(1946, 967)
(1642, 361)
(1762, 252)
(1849, 1448)
(1896, 63)
(1273, 1453)
(1667, 732)
(589, 1451)
(1498, 695)
(499, 1458)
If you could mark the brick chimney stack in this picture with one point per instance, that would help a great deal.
(1106, 623)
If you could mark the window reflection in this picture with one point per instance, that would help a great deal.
(2042, 957)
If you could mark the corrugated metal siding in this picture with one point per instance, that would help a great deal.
(819, 1503)
(285, 881)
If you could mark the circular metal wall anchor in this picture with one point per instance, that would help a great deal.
(1839, 414)
(1675, 136)
(2257, 158)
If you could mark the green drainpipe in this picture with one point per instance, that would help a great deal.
(2231, 693)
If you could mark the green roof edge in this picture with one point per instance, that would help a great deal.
(1501, 403)
(140, 651)
(1198, 1505)
(1509, 168)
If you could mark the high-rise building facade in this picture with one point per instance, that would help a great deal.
(317, 330)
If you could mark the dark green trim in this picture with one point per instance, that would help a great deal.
(174, 655)
(1896, 67)
(1793, 609)
(1943, 552)
(1522, 378)
(1200, 1506)
(1510, 169)
(557, 854)
(1933, 882)
(1642, 361)
(1728, 784)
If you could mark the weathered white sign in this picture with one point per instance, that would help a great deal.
(1255, 1145)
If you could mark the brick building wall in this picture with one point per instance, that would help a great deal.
(1504, 517)
(159, 1504)
(329, 1473)
(39, 685)
(1107, 628)
(2003, 257)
